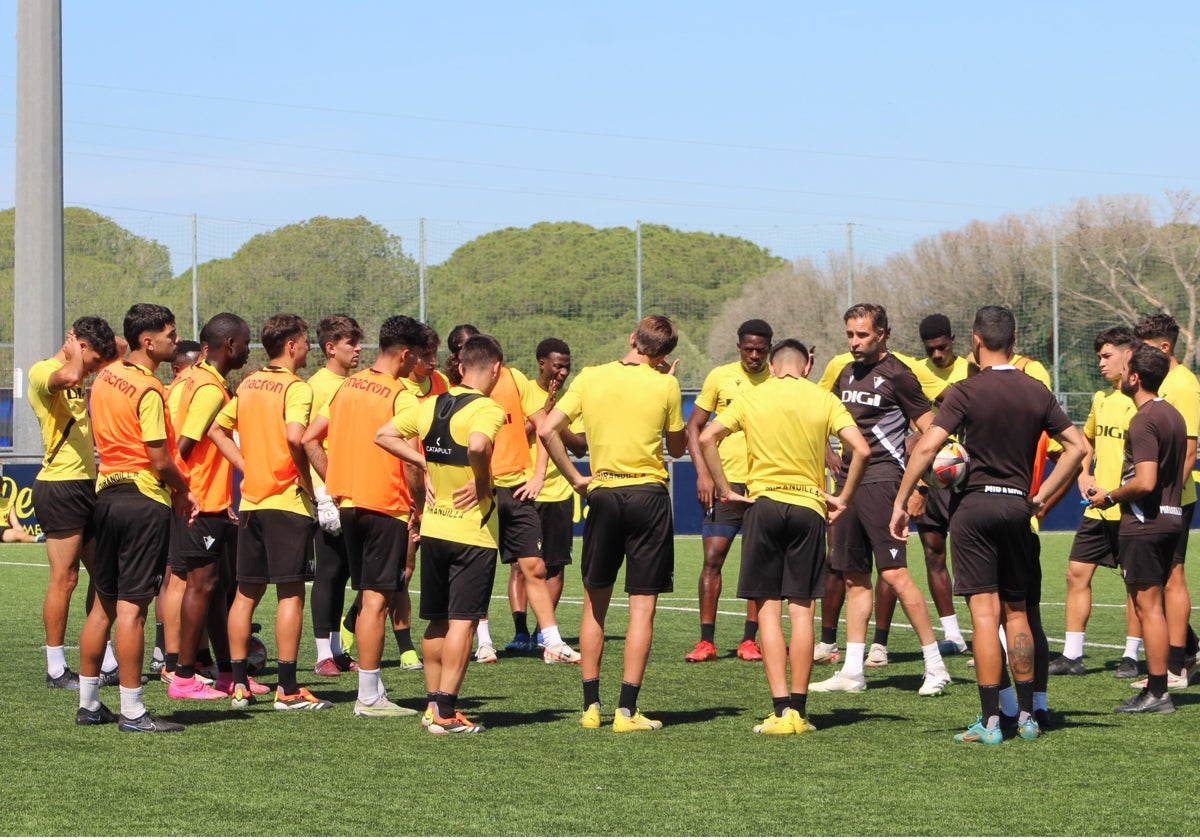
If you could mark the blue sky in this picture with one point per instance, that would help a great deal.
(777, 121)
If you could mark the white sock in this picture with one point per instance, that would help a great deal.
(1008, 701)
(324, 649)
(1004, 643)
(131, 702)
(368, 686)
(550, 636)
(1073, 649)
(483, 634)
(89, 693)
(1040, 701)
(950, 627)
(56, 663)
(933, 658)
(110, 659)
(335, 643)
(853, 664)
(1132, 646)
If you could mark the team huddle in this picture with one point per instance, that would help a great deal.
(351, 476)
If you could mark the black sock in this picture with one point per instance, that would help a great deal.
(287, 677)
(185, 672)
(204, 658)
(799, 702)
(1005, 681)
(521, 623)
(1156, 684)
(708, 632)
(750, 631)
(591, 692)
(829, 635)
(629, 697)
(445, 704)
(1192, 646)
(223, 666)
(171, 661)
(1175, 659)
(881, 635)
(403, 639)
(159, 639)
(238, 668)
(989, 702)
(781, 705)
(1024, 697)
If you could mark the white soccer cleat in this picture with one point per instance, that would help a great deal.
(561, 653)
(851, 684)
(935, 683)
(826, 653)
(485, 655)
(1174, 681)
(876, 656)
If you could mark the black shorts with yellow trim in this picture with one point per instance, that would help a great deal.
(133, 536)
(1147, 558)
(456, 580)
(864, 528)
(274, 546)
(724, 519)
(558, 533)
(65, 506)
(995, 550)
(520, 526)
(1096, 542)
(783, 552)
(630, 522)
(376, 546)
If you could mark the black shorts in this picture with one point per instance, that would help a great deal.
(274, 546)
(1147, 558)
(726, 518)
(630, 522)
(456, 579)
(1181, 547)
(1096, 542)
(865, 528)
(133, 535)
(558, 531)
(936, 519)
(204, 541)
(783, 552)
(377, 546)
(993, 546)
(65, 506)
(520, 526)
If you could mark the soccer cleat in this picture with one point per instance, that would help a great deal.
(210, 671)
(68, 679)
(623, 721)
(240, 697)
(826, 653)
(410, 661)
(90, 717)
(327, 668)
(935, 683)
(1147, 703)
(748, 651)
(485, 655)
(109, 678)
(193, 689)
(840, 682)
(952, 647)
(1064, 666)
(1042, 716)
(702, 652)
(1028, 729)
(382, 707)
(591, 717)
(776, 725)
(427, 717)
(977, 733)
(538, 640)
(302, 701)
(148, 723)
(457, 725)
(1127, 668)
(345, 663)
(1176, 681)
(561, 654)
(971, 662)
(156, 665)
(521, 643)
(876, 656)
(225, 684)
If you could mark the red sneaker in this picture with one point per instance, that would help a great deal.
(327, 668)
(702, 652)
(748, 651)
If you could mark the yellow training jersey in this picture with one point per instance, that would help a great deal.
(66, 429)
(1106, 425)
(480, 525)
(625, 410)
(956, 372)
(556, 487)
(722, 385)
(1180, 389)
(787, 423)
(324, 384)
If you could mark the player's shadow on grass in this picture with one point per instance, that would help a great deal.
(199, 717)
(509, 718)
(849, 717)
(700, 715)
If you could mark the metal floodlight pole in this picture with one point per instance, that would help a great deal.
(195, 283)
(639, 272)
(38, 299)
(421, 268)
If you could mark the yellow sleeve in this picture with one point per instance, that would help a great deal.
(571, 403)
(151, 416)
(832, 369)
(405, 420)
(1089, 425)
(732, 417)
(488, 419)
(405, 399)
(297, 405)
(674, 406)
(227, 416)
(706, 400)
(207, 402)
(931, 385)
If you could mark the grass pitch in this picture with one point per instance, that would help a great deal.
(882, 762)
